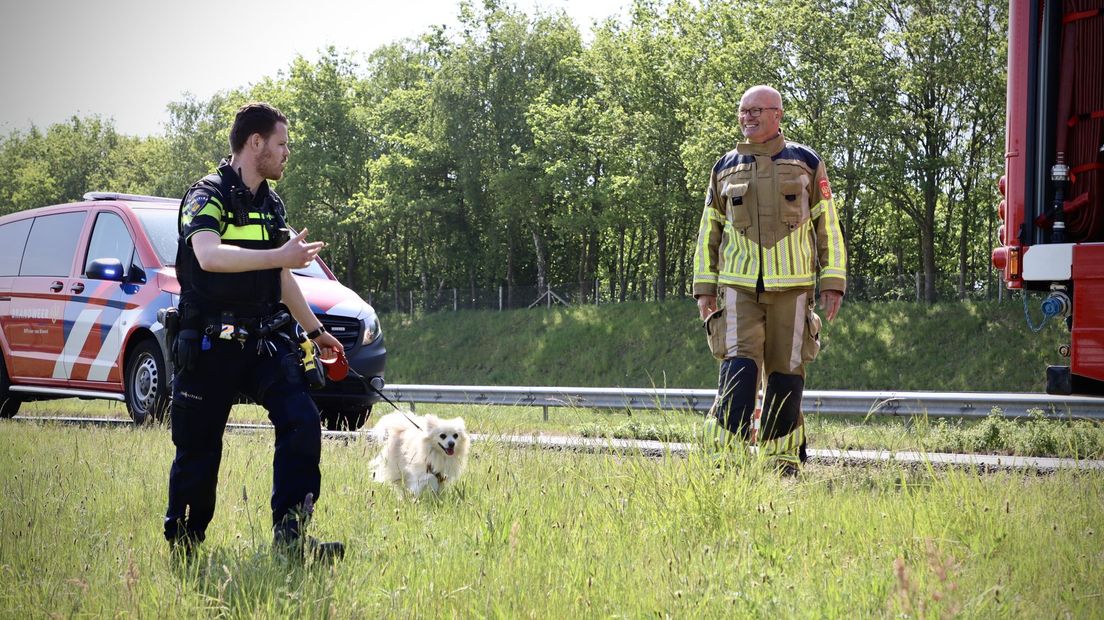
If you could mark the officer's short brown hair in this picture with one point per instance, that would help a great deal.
(255, 117)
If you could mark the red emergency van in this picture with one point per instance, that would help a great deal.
(80, 287)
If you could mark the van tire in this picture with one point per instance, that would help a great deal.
(147, 383)
(9, 405)
(345, 419)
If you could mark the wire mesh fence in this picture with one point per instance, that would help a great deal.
(904, 287)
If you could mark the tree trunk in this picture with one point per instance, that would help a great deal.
(661, 261)
(542, 274)
(510, 272)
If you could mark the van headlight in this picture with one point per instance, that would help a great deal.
(371, 330)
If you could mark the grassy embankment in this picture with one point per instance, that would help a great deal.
(532, 533)
(974, 347)
(891, 346)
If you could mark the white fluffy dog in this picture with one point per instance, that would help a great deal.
(420, 452)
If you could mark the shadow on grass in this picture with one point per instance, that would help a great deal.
(256, 581)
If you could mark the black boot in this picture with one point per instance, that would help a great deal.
(182, 543)
(290, 540)
(299, 548)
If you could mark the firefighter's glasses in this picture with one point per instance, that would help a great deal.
(753, 112)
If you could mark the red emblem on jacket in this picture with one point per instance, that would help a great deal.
(825, 189)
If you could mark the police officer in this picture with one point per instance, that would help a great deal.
(769, 231)
(234, 262)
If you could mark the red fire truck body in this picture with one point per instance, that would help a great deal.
(1052, 236)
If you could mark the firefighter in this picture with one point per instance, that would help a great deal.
(234, 262)
(769, 231)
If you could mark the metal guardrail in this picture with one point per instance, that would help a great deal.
(983, 462)
(823, 402)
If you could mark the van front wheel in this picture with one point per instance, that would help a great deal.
(9, 405)
(147, 383)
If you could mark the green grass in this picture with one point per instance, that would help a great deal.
(970, 346)
(532, 533)
(993, 434)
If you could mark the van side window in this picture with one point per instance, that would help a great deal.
(110, 239)
(13, 238)
(52, 245)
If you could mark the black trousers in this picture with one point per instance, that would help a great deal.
(201, 404)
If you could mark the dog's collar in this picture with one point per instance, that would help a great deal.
(438, 475)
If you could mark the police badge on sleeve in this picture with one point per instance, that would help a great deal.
(194, 205)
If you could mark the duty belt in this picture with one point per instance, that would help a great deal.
(239, 329)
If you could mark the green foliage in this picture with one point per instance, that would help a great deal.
(545, 534)
(518, 151)
(1037, 436)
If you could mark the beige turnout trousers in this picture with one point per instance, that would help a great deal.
(779, 331)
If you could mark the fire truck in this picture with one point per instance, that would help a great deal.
(1051, 239)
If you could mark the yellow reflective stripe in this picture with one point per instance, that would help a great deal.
(790, 263)
(748, 265)
(705, 228)
(210, 210)
(817, 209)
(731, 239)
(837, 252)
(808, 246)
(736, 279)
(794, 279)
(786, 448)
(250, 232)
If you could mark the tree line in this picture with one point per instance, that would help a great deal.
(515, 151)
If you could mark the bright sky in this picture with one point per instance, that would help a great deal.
(127, 59)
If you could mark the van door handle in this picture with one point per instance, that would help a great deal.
(57, 286)
(78, 287)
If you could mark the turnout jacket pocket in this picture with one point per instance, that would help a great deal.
(736, 205)
(793, 203)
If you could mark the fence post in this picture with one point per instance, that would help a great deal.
(454, 299)
(500, 298)
(917, 287)
(596, 291)
(412, 301)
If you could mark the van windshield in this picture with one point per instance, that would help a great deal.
(160, 226)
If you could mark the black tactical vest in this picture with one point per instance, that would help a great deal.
(246, 222)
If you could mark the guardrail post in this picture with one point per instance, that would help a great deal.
(454, 299)
(500, 298)
(545, 413)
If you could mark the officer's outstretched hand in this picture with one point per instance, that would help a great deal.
(298, 252)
